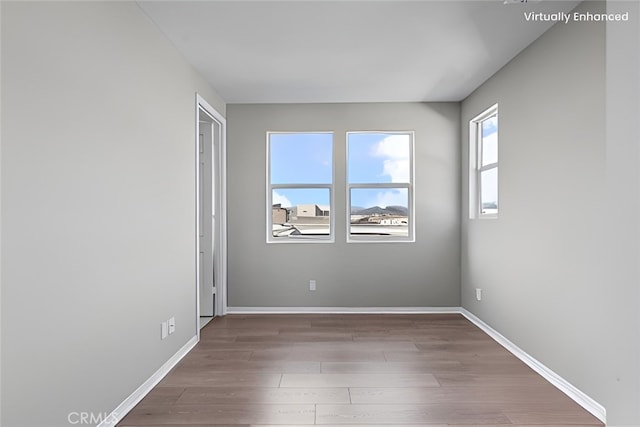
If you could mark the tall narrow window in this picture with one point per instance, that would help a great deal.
(300, 187)
(380, 186)
(484, 160)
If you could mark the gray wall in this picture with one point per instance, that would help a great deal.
(424, 273)
(620, 222)
(558, 268)
(98, 215)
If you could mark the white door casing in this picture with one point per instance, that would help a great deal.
(211, 233)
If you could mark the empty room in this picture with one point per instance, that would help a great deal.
(340, 213)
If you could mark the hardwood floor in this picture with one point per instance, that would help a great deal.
(352, 370)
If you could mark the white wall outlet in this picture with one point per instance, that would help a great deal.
(312, 285)
(164, 330)
(479, 294)
(172, 325)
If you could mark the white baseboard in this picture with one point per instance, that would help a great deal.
(342, 310)
(563, 385)
(118, 414)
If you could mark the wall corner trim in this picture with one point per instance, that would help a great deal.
(560, 383)
(128, 404)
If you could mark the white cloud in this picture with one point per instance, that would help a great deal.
(280, 199)
(390, 198)
(395, 151)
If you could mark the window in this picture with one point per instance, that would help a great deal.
(483, 188)
(300, 187)
(379, 186)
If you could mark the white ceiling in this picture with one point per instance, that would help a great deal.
(348, 50)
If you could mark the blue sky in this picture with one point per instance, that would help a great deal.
(307, 159)
(490, 140)
(299, 158)
(489, 179)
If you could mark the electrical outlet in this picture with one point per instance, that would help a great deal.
(172, 325)
(479, 294)
(164, 330)
(312, 285)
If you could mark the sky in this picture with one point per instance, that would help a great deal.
(490, 140)
(372, 158)
(489, 179)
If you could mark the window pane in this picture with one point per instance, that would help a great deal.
(380, 211)
(489, 140)
(489, 191)
(301, 212)
(378, 158)
(301, 158)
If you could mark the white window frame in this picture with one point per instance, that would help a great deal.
(271, 187)
(410, 187)
(475, 164)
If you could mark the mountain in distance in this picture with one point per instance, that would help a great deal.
(377, 210)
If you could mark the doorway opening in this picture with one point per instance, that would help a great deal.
(211, 245)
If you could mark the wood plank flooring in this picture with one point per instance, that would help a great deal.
(352, 370)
